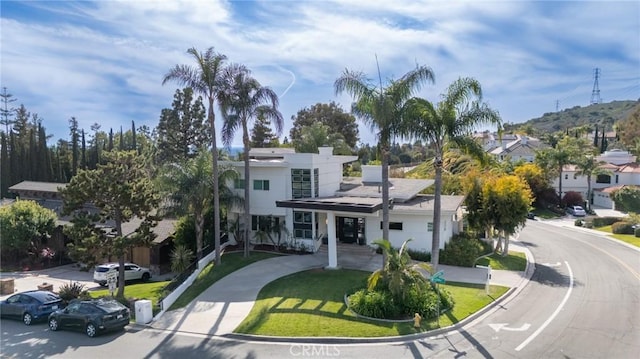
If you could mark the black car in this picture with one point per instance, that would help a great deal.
(30, 306)
(91, 316)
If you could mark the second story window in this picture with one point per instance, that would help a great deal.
(300, 183)
(261, 185)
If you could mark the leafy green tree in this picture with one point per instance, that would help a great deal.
(627, 199)
(535, 178)
(243, 100)
(261, 135)
(450, 122)
(25, 224)
(629, 129)
(121, 191)
(183, 128)
(205, 78)
(330, 115)
(381, 109)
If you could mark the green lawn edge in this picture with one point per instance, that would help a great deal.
(627, 238)
(311, 304)
(513, 261)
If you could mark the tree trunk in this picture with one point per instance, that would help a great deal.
(560, 186)
(385, 195)
(247, 183)
(120, 294)
(435, 242)
(199, 223)
(216, 189)
(506, 245)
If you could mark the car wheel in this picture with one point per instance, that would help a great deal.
(53, 324)
(91, 330)
(145, 277)
(27, 319)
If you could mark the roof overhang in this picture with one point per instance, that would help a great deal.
(336, 204)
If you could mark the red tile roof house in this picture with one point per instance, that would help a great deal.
(307, 192)
(156, 257)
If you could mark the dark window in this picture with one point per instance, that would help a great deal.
(616, 178)
(393, 225)
(302, 226)
(316, 182)
(300, 183)
(603, 179)
(430, 227)
(264, 223)
(261, 185)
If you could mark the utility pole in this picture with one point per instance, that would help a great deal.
(595, 93)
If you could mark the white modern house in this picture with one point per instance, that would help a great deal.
(308, 194)
(520, 148)
(623, 171)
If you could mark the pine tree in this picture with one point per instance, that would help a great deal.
(83, 162)
(75, 138)
(261, 135)
(6, 112)
(5, 178)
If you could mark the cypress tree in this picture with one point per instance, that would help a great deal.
(84, 152)
(110, 139)
(595, 137)
(134, 145)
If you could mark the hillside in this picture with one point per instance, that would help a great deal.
(603, 114)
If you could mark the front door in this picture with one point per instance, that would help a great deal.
(347, 229)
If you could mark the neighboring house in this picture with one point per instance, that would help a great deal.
(624, 171)
(520, 148)
(490, 141)
(156, 257)
(307, 193)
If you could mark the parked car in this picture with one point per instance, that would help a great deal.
(131, 272)
(577, 211)
(91, 316)
(30, 306)
(531, 215)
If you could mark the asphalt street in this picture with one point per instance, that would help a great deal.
(583, 301)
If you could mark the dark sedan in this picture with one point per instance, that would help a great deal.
(30, 306)
(91, 316)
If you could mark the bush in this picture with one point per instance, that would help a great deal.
(578, 223)
(380, 303)
(622, 228)
(637, 232)
(416, 255)
(462, 251)
(604, 221)
(374, 304)
(72, 290)
(572, 198)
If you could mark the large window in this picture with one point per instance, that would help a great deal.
(261, 185)
(603, 179)
(430, 227)
(300, 183)
(264, 223)
(316, 185)
(302, 224)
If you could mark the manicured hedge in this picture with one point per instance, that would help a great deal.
(622, 228)
(604, 221)
(462, 250)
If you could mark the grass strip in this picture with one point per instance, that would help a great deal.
(514, 261)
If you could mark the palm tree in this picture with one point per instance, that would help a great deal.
(398, 271)
(450, 122)
(588, 166)
(205, 79)
(189, 185)
(243, 100)
(381, 108)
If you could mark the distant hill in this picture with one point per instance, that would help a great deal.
(603, 114)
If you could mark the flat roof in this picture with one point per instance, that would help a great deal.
(336, 203)
(400, 189)
(37, 186)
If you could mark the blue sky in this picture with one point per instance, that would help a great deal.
(103, 62)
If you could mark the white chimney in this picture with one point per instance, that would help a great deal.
(372, 173)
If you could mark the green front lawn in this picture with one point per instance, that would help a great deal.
(230, 263)
(627, 238)
(515, 261)
(311, 304)
(150, 290)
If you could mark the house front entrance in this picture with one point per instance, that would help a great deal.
(350, 229)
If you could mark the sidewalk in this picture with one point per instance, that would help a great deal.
(223, 306)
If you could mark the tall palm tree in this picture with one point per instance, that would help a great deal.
(588, 166)
(189, 185)
(243, 100)
(205, 79)
(450, 122)
(381, 108)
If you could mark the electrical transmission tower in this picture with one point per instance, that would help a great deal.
(595, 94)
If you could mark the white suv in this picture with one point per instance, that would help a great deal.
(131, 272)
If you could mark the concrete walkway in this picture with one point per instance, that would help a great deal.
(223, 306)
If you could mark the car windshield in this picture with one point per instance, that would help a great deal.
(102, 269)
(578, 208)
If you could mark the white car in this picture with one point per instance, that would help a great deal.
(577, 211)
(131, 272)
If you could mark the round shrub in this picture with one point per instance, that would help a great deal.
(381, 304)
(374, 304)
(578, 223)
(462, 251)
(622, 228)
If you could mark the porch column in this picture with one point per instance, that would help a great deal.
(333, 249)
